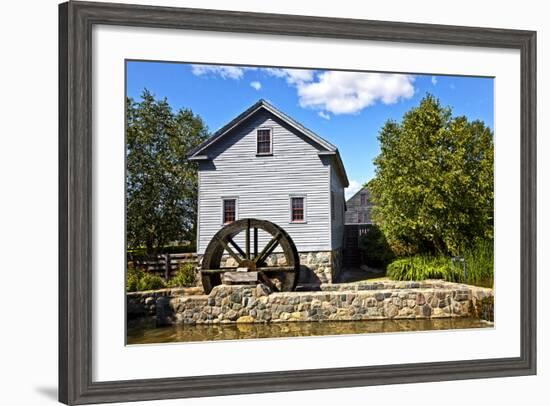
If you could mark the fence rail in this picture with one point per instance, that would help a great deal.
(164, 265)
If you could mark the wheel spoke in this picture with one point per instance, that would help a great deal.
(261, 257)
(269, 251)
(234, 245)
(247, 239)
(255, 242)
(230, 251)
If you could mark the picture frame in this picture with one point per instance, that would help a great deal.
(76, 384)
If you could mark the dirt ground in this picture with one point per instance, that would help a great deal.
(360, 274)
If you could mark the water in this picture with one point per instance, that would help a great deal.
(145, 331)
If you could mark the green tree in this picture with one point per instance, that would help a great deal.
(161, 184)
(433, 189)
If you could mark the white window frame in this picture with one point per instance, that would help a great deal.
(293, 196)
(270, 153)
(223, 199)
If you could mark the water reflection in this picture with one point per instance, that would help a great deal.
(145, 331)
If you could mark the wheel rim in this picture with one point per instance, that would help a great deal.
(280, 277)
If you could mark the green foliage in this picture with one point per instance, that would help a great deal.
(161, 184)
(137, 281)
(479, 263)
(184, 277)
(433, 189)
(150, 282)
(377, 252)
(423, 267)
(133, 275)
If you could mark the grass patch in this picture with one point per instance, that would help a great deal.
(478, 261)
(422, 267)
(480, 264)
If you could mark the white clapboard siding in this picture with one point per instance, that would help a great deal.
(263, 185)
(339, 212)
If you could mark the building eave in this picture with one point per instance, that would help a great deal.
(339, 165)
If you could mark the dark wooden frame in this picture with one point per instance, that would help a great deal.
(75, 203)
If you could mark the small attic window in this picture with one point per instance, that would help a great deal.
(264, 141)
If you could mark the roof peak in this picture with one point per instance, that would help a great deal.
(263, 103)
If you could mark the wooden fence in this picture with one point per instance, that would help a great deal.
(164, 265)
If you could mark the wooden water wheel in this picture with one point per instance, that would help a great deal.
(250, 261)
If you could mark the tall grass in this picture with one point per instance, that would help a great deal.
(477, 260)
(480, 264)
(422, 267)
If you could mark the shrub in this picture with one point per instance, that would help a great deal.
(421, 267)
(150, 282)
(376, 250)
(185, 276)
(137, 280)
(133, 276)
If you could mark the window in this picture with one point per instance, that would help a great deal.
(263, 141)
(297, 206)
(363, 199)
(229, 210)
(332, 209)
(361, 218)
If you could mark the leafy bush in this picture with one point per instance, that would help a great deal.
(376, 250)
(150, 282)
(137, 280)
(185, 276)
(133, 275)
(422, 267)
(480, 263)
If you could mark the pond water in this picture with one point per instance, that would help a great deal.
(145, 331)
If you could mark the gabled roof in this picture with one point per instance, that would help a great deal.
(326, 148)
(363, 189)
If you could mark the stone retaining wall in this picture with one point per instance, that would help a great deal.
(140, 304)
(344, 302)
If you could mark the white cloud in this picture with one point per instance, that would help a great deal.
(352, 189)
(333, 92)
(350, 92)
(292, 76)
(434, 80)
(452, 86)
(324, 115)
(225, 72)
(256, 85)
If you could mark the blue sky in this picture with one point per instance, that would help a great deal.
(346, 108)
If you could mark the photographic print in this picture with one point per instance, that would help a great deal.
(270, 202)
